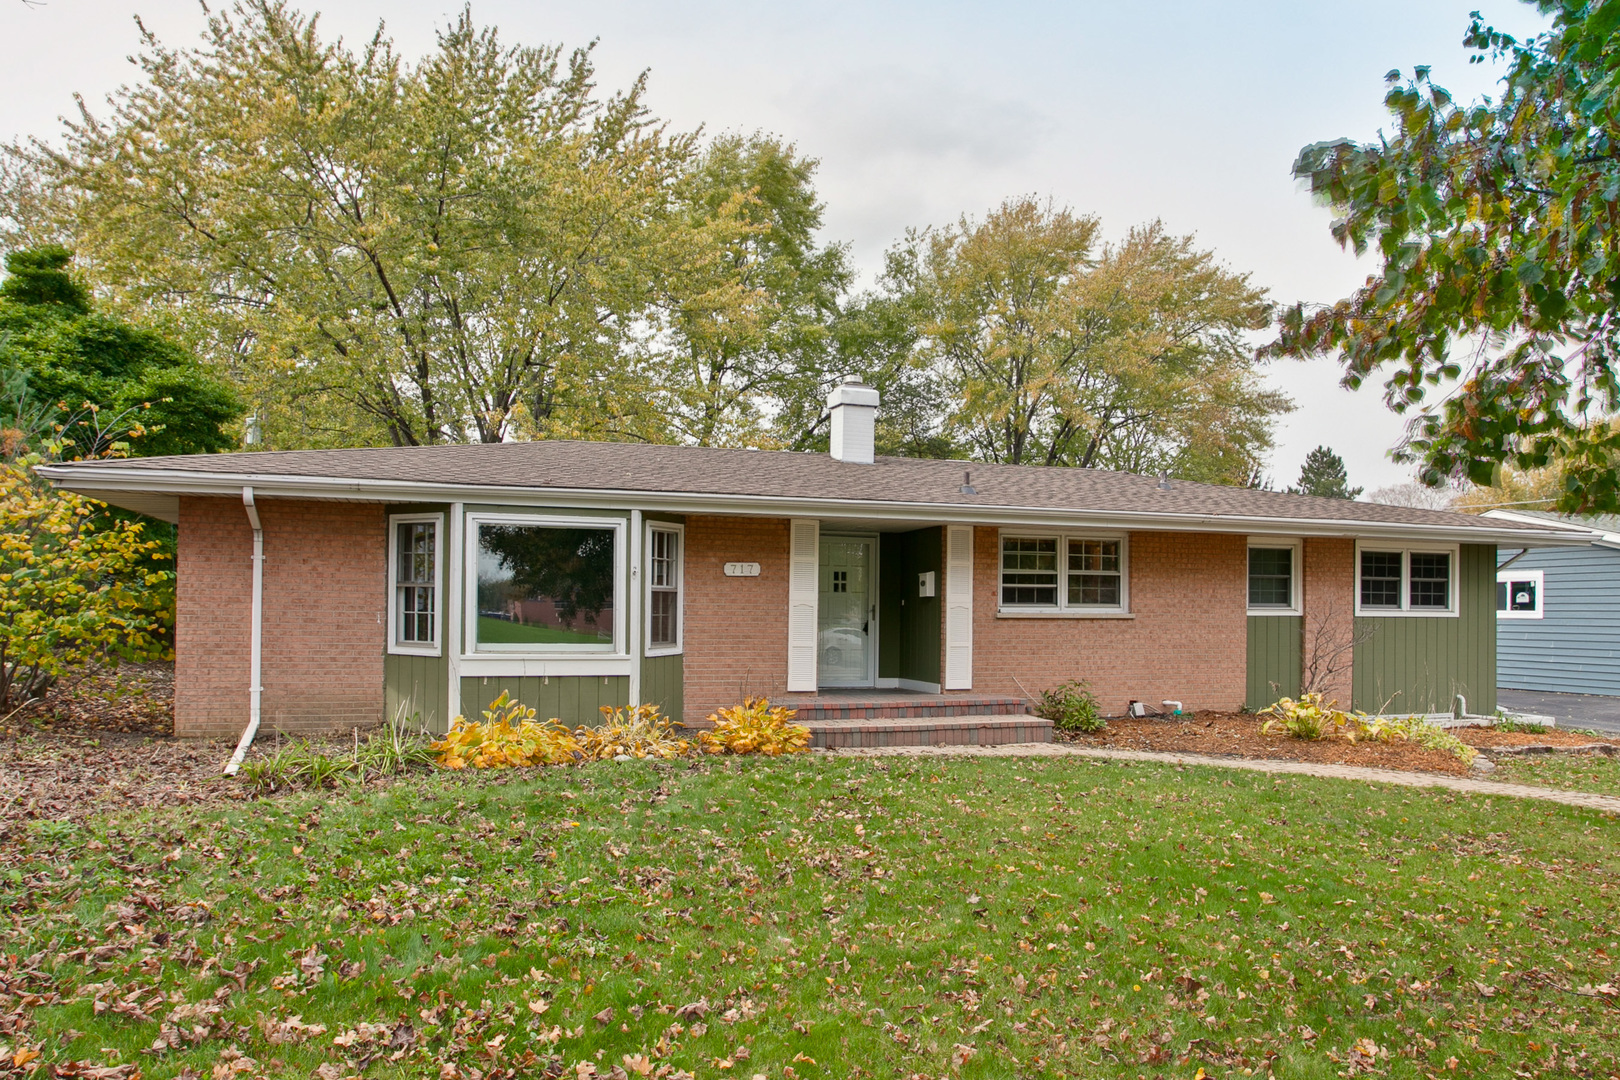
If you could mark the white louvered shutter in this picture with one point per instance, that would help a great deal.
(804, 590)
(959, 607)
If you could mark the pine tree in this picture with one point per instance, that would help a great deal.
(1323, 474)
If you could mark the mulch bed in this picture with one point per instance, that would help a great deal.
(1238, 735)
(1490, 737)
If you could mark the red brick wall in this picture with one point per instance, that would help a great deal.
(325, 604)
(736, 628)
(1330, 584)
(1188, 640)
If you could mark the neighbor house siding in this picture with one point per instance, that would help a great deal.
(325, 604)
(736, 627)
(1574, 648)
(1416, 664)
(1186, 639)
(1274, 658)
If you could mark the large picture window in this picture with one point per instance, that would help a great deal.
(543, 587)
(413, 557)
(1405, 581)
(1077, 574)
(663, 589)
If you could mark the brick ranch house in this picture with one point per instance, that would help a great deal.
(425, 580)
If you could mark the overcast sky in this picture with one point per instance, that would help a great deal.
(1187, 111)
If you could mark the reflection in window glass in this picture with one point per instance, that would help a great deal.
(543, 588)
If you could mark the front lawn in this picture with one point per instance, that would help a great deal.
(1571, 772)
(824, 917)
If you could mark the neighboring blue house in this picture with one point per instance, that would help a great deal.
(1558, 609)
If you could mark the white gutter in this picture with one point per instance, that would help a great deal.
(102, 482)
(255, 687)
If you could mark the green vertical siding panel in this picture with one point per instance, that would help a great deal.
(573, 699)
(662, 683)
(924, 614)
(1416, 664)
(1274, 658)
(419, 686)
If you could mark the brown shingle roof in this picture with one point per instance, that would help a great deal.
(697, 471)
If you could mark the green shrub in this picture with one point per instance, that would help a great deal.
(399, 747)
(1071, 707)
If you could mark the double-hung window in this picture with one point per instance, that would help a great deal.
(663, 589)
(1070, 574)
(1405, 581)
(1274, 567)
(414, 600)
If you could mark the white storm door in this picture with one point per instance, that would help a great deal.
(847, 625)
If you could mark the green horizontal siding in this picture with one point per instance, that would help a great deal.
(573, 699)
(1416, 664)
(662, 684)
(1274, 658)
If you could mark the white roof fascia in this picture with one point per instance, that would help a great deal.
(90, 479)
(1596, 536)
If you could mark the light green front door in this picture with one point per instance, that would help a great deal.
(848, 630)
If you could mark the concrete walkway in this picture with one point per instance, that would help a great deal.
(1606, 803)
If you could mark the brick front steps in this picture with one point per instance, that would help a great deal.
(860, 719)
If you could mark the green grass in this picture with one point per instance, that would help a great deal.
(1573, 772)
(502, 632)
(1061, 918)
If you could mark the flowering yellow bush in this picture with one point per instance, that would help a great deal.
(508, 737)
(641, 732)
(755, 728)
(75, 585)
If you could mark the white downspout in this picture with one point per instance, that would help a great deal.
(255, 687)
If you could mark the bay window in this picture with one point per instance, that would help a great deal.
(542, 585)
(413, 542)
(664, 565)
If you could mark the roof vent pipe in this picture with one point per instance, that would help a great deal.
(255, 687)
(854, 420)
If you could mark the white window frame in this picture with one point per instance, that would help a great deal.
(680, 589)
(1511, 575)
(1296, 588)
(1406, 611)
(1063, 609)
(397, 647)
(621, 609)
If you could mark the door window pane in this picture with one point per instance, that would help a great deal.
(1029, 571)
(543, 588)
(1431, 579)
(1271, 577)
(1094, 573)
(1381, 579)
(414, 542)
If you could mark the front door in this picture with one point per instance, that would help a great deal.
(848, 622)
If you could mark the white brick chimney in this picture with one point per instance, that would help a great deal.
(854, 418)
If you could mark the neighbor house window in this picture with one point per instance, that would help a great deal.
(1063, 574)
(544, 586)
(414, 557)
(1273, 577)
(1518, 594)
(663, 589)
(1404, 581)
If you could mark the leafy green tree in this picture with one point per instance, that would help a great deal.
(464, 248)
(71, 357)
(1323, 474)
(1054, 349)
(1497, 229)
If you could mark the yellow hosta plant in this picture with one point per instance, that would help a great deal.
(508, 737)
(641, 732)
(755, 728)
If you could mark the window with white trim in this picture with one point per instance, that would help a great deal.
(1063, 573)
(664, 566)
(1274, 569)
(414, 600)
(541, 585)
(1519, 594)
(1406, 581)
